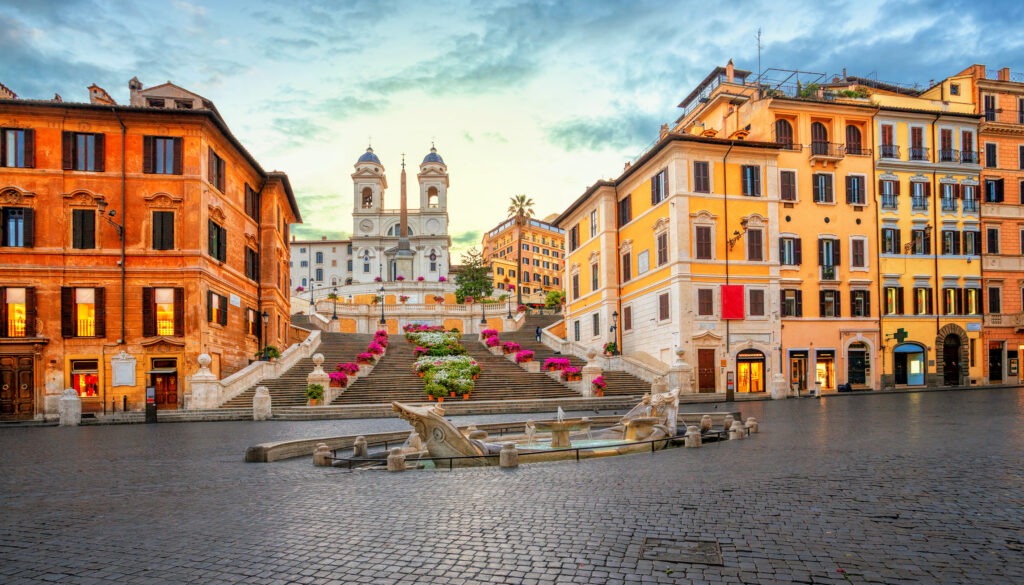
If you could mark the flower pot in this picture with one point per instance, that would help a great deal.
(451, 394)
(465, 396)
(313, 402)
(430, 397)
(440, 399)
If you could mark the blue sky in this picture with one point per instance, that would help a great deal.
(542, 98)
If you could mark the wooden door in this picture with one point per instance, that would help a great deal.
(951, 359)
(705, 370)
(17, 387)
(166, 386)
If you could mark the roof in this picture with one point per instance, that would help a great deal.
(737, 73)
(433, 157)
(368, 157)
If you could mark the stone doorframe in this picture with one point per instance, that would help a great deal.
(965, 356)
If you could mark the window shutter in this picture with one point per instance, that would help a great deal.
(927, 242)
(782, 304)
(222, 245)
(999, 190)
(881, 186)
(798, 256)
(224, 310)
(3, 313)
(101, 313)
(956, 245)
(958, 191)
(89, 229)
(148, 313)
(896, 241)
(799, 303)
(67, 311)
(68, 150)
(821, 303)
(30, 227)
(821, 252)
(211, 166)
(148, 152)
(867, 303)
(168, 241)
(209, 305)
(899, 300)
(101, 157)
(896, 187)
(31, 312)
(30, 148)
(927, 189)
(178, 155)
(816, 187)
(836, 252)
(654, 190)
(179, 312)
(849, 189)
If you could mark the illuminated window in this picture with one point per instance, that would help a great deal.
(16, 309)
(164, 300)
(85, 377)
(85, 312)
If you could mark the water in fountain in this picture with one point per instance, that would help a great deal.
(561, 415)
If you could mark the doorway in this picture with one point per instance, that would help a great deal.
(908, 364)
(995, 361)
(798, 370)
(951, 360)
(17, 387)
(705, 370)
(750, 371)
(164, 379)
(825, 368)
(857, 364)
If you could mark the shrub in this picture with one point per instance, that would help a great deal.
(492, 341)
(599, 383)
(524, 356)
(338, 378)
(557, 363)
(314, 392)
(347, 368)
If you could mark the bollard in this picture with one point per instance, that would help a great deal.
(359, 448)
(736, 431)
(322, 455)
(124, 403)
(705, 423)
(692, 436)
(508, 458)
(70, 408)
(396, 460)
(727, 422)
(262, 407)
(751, 425)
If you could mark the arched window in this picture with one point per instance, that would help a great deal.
(432, 197)
(819, 138)
(367, 197)
(433, 261)
(396, 230)
(853, 144)
(784, 134)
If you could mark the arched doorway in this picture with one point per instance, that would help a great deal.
(857, 363)
(951, 360)
(750, 371)
(908, 364)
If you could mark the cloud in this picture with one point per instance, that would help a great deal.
(628, 130)
(467, 238)
(313, 232)
(297, 131)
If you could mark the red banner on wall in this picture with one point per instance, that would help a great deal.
(732, 301)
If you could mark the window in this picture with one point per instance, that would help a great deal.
(787, 185)
(703, 242)
(946, 152)
(972, 243)
(252, 322)
(217, 241)
(1020, 157)
(948, 194)
(17, 148)
(625, 214)
(576, 330)
(659, 187)
(970, 198)
(952, 303)
(705, 302)
(858, 255)
(643, 262)
(575, 286)
(252, 204)
(252, 264)
(855, 190)
(990, 107)
(593, 224)
(662, 244)
(890, 240)
(163, 230)
(922, 300)
(82, 312)
(349, 266)
(627, 267)
(853, 140)
(751, 179)
(663, 313)
(993, 190)
(954, 89)
(215, 172)
(319, 275)
(17, 312)
(85, 377)
(755, 302)
(319, 257)
(790, 253)
(917, 148)
(303, 263)
(627, 318)
(216, 308)
(755, 245)
(574, 237)
(992, 240)
(792, 303)
(967, 152)
(822, 185)
(163, 311)
(893, 300)
(920, 191)
(889, 190)
(83, 151)
(701, 176)
(17, 227)
(828, 303)
(860, 303)
(819, 138)
(991, 160)
(595, 323)
(784, 134)
(950, 243)
(161, 155)
(972, 301)
(828, 252)
(83, 229)
(921, 241)
(888, 147)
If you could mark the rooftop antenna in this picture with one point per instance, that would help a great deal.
(759, 62)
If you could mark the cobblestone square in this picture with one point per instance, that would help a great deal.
(895, 488)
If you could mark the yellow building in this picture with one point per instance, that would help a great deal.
(542, 258)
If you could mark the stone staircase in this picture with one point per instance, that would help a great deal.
(619, 383)
(290, 388)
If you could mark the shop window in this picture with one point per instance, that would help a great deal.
(85, 377)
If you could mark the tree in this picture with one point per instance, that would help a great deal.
(554, 299)
(520, 208)
(475, 278)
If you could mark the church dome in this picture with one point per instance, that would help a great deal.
(433, 157)
(368, 157)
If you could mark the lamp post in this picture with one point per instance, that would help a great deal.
(382, 321)
(483, 312)
(334, 293)
(614, 328)
(511, 289)
(312, 302)
(266, 320)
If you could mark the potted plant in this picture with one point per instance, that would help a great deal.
(524, 356)
(376, 279)
(439, 299)
(338, 379)
(571, 374)
(599, 386)
(441, 279)
(365, 358)
(269, 352)
(521, 308)
(419, 279)
(403, 298)
(611, 348)
(399, 278)
(314, 394)
(348, 368)
(510, 347)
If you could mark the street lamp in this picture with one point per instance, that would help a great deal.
(312, 302)
(613, 328)
(511, 289)
(334, 292)
(266, 321)
(483, 312)
(382, 321)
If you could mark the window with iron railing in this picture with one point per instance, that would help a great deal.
(919, 153)
(919, 203)
(949, 155)
(889, 151)
(889, 201)
(969, 156)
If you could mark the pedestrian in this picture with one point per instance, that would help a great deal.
(538, 333)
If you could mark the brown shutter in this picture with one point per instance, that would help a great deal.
(67, 311)
(836, 252)
(798, 255)
(178, 155)
(3, 312)
(209, 305)
(148, 151)
(654, 190)
(799, 303)
(849, 189)
(101, 153)
(30, 227)
(31, 313)
(148, 313)
(896, 184)
(101, 313)
(211, 164)
(30, 148)
(179, 312)
(68, 150)
(224, 310)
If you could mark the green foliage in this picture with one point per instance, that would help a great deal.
(435, 390)
(475, 278)
(554, 299)
(315, 392)
(520, 207)
(270, 351)
(858, 92)
(808, 91)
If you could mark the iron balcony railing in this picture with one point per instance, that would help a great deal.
(889, 151)
(86, 328)
(889, 201)
(949, 155)
(918, 153)
(971, 205)
(826, 149)
(857, 150)
(828, 272)
(948, 204)
(15, 327)
(920, 203)
(990, 115)
(969, 156)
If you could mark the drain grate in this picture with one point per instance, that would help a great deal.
(671, 550)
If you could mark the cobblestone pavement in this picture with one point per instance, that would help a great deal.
(906, 488)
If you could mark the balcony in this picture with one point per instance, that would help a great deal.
(889, 151)
(919, 203)
(826, 151)
(919, 153)
(828, 273)
(949, 204)
(971, 205)
(947, 155)
(969, 157)
(889, 201)
(857, 150)
(1004, 320)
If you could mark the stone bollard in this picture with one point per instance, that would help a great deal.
(692, 436)
(705, 423)
(727, 422)
(736, 431)
(359, 448)
(396, 460)
(751, 424)
(70, 409)
(322, 455)
(508, 458)
(261, 409)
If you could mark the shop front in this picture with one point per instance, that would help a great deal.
(750, 366)
(909, 364)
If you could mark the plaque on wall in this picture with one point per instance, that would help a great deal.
(235, 300)
(123, 367)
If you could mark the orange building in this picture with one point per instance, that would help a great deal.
(133, 239)
(542, 258)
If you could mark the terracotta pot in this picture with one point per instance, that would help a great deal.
(465, 396)
(440, 398)
(451, 394)
(430, 397)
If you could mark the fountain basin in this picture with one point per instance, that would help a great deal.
(560, 430)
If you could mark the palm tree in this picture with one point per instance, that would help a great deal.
(520, 208)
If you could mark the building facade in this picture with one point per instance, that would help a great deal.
(133, 239)
(320, 265)
(541, 258)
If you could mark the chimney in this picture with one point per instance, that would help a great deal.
(1004, 74)
(6, 93)
(664, 131)
(323, 238)
(99, 96)
(729, 71)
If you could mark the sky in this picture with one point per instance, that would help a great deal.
(541, 98)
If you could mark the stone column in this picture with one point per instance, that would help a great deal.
(261, 404)
(590, 371)
(396, 460)
(780, 389)
(508, 457)
(205, 385)
(680, 375)
(70, 409)
(319, 376)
